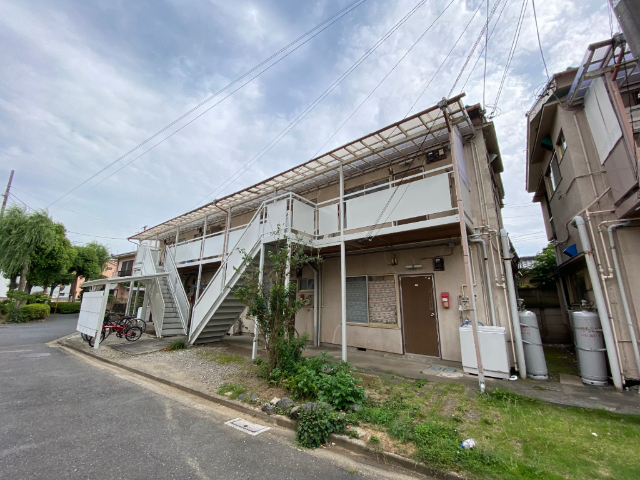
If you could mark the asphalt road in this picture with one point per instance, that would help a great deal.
(63, 417)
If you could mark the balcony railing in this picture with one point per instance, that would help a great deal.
(421, 200)
(125, 273)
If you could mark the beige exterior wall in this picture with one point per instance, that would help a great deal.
(574, 194)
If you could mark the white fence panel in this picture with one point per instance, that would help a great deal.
(234, 236)
(303, 217)
(276, 216)
(429, 195)
(89, 320)
(363, 211)
(328, 219)
(213, 245)
(188, 251)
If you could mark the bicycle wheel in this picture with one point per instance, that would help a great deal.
(141, 324)
(92, 341)
(132, 334)
(85, 337)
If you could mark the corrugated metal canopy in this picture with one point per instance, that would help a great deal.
(416, 133)
(600, 58)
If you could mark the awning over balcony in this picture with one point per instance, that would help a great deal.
(422, 131)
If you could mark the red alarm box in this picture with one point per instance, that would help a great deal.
(444, 298)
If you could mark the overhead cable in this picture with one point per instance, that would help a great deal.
(475, 45)
(512, 52)
(310, 107)
(331, 20)
(535, 19)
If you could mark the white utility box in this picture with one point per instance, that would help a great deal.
(493, 347)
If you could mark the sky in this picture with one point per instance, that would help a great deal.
(83, 83)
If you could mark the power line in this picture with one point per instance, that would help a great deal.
(512, 52)
(13, 195)
(348, 9)
(392, 69)
(486, 48)
(504, 5)
(73, 211)
(233, 178)
(475, 45)
(96, 236)
(535, 19)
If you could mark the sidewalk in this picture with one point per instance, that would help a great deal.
(390, 367)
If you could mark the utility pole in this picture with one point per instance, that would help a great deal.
(6, 194)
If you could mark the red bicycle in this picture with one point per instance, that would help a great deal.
(131, 333)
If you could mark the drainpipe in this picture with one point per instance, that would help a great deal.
(256, 331)
(492, 310)
(343, 268)
(315, 307)
(513, 303)
(623, 293)
(578, 222)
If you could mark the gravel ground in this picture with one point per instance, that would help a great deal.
(186, 367)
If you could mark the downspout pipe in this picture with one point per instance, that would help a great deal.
(492, 310)
(316, 330)
(513, 303)
(623, 293)
(578, 222)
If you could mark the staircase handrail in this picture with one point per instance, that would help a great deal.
(177, 288)
(158, 308)
(223, 265)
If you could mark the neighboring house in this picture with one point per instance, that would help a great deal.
(124, 268)
(76, 287)
(582, 161)
(415, 194)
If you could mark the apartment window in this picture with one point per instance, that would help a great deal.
(561, 145)
(372, 300)
(306, 284)
(553, 177)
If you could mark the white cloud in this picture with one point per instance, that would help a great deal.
(81, 86)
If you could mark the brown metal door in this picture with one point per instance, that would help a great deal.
(419, 315)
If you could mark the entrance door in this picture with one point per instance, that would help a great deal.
(419, 315)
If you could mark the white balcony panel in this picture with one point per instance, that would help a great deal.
(234, 236)
(188, 251)
(422, 197)
(363, 211)
(303, 217)
(276, 215)
(213, 246)
(328, 219)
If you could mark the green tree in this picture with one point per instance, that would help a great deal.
(21, 234)
(543, 268)
(90, 261)
(50, 266)
(272, 302)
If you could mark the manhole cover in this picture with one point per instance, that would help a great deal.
(246, 427)
(34, 355)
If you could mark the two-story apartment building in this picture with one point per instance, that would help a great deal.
(408, 223)
(582, 167)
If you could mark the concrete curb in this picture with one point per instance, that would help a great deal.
(355, 446)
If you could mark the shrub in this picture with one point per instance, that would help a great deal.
(35, 311)
(17, 316)
(340, 390)
(5, 306)
(315, 425)
(176, 345)
(67, 307)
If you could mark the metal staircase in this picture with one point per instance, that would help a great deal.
(171, 323)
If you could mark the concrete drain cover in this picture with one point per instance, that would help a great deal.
(35, 355)
(246, 427)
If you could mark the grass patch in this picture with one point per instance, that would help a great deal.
(220, 358)
(176, 345)
(234, 388)
(517, 436)
(560, 359)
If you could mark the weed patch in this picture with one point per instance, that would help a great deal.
(234, 388)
